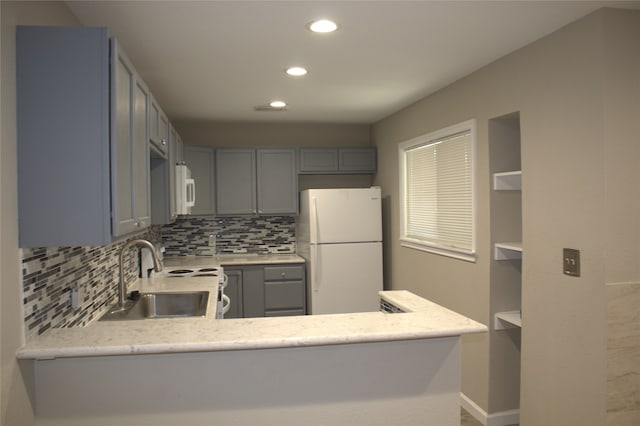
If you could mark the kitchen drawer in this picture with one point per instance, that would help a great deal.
(285, 313)
(283, 273)
(284, 295)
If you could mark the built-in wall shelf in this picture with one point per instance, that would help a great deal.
(508, 251)
(507, 181)
(505, 320)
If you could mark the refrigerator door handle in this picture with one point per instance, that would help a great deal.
(315, 279)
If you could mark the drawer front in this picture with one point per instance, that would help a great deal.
(285, 313)
(284, 295)
(283, 273)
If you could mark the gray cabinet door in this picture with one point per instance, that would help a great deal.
(236, 181)
(284, 290)
(163, 183)
(277, 181)
(158, 129)
(252, 292)
(63, 133)
(356, 160)
(200, 160)
(234, 291)
(129, 147)
(121, 153)
(338, 160)
(172, 161)
(140, 153)
(318, 160)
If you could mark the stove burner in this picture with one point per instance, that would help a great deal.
(204, 275)
(208, 270)
(181, 271)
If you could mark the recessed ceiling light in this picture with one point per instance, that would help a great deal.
(323, 26)
(296, 71)
(277, 104)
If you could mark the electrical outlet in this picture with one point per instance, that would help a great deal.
(571, 262)
(76, 297)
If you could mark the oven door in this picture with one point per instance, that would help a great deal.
(223, 302)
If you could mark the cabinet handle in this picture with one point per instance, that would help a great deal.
(284, 274)
(164, 141)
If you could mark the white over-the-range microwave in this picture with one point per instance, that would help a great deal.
(185, 190)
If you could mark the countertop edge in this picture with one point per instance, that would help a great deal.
(162, 348)
(428, 321)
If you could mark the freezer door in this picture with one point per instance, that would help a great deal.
(344, 278)
(344, 215)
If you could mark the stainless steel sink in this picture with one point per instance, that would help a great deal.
(162, 305)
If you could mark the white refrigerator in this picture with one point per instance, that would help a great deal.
(339, 233)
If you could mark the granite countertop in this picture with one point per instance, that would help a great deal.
(423, 320)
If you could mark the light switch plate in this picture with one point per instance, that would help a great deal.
(571, 262)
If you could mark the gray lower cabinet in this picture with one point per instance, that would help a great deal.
(234, 291)
(266, 290)
(256, 181)
(83, 156)
(338, 160)
(284, 290)
(201, 162)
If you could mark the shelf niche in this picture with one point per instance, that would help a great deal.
(507, 181)
(506, 320)
(508, 251)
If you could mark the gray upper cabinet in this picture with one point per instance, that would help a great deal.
(159, 129)
(256, 181)
(277, 181)
(82, 149)
(357, 160)
(338, 160)
(318, 160)
(129, 149)
(200, 160)
(235, 181)
(163, 182)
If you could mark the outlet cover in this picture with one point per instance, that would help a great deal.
(571, 262)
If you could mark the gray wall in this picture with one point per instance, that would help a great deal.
(577, 92)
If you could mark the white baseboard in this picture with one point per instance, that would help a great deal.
(502, 418)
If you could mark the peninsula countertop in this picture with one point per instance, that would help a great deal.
(423, 320)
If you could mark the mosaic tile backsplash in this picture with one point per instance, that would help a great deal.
(190, 235)
(49, 273)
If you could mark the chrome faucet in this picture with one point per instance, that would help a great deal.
(157, 266)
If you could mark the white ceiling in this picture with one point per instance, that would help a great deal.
(216, 60)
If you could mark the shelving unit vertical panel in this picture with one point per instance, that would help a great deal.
(506, 262)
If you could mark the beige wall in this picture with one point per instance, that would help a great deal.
(258, 134)
(557, 85)
(16, 383)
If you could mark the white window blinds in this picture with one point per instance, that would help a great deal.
(437, 180)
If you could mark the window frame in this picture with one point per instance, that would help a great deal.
(427, 139)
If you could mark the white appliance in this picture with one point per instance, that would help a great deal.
(185, 190)
(223, 302)
(339, 233)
